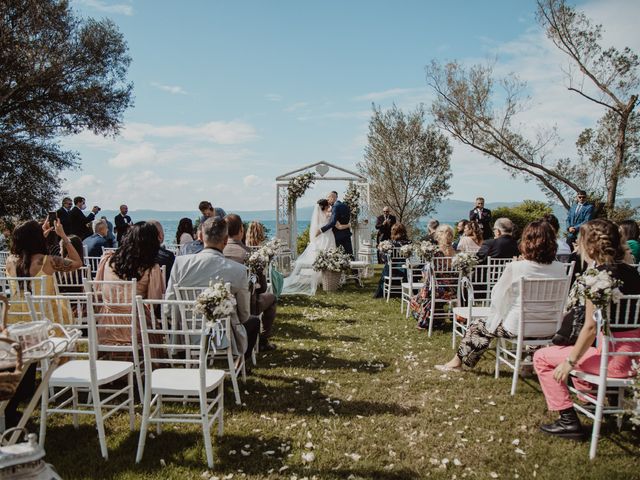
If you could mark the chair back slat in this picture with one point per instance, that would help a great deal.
(71, 283)
(542, 305)
(17, 287)
(4, 254)
(92, 263)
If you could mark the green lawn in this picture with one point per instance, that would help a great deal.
(352, 382)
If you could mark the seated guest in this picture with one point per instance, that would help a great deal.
(110, 235)
(503, 245)
(95, 242)
(420, 304)
(564, 252)
(262, 302)
(207, 211)
(398, 239)
(165, 257)
(600, 243)
(631, 232)
(459, 232)
(255, 234)
(209, 265)
(184, 234)
(193, 247)
(471, 241)
(136, 258)
(538, 248)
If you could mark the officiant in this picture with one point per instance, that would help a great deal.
(384, 223)
(483, 217)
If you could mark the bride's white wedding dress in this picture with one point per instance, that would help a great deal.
(303, 279)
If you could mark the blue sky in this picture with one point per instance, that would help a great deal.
(228, 95)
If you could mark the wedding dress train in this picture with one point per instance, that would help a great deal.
(304, 279)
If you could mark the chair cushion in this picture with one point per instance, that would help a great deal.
(180, 381)
(76, 372)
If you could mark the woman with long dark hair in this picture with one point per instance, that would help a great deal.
(184, 234)
(136, 258)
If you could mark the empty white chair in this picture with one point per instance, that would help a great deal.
(412, 285)
(224, 349)
(114, 308)
(17, 287)
(627, 313)
(392, 280)
(541, 310)
(92, 263)
(72, 283)
(92, 375)
(440, 275)
(176, 372)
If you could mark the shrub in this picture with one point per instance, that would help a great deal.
(522, 214)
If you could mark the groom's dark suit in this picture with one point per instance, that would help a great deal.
(342, 214)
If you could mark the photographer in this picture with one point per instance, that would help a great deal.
(77, 219)
(384, 223)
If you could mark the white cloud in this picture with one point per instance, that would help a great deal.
(359, 114)
(101, 6)
(84, 182)
(172, 89)
(142, 154)
(224, 133)
(251, 181)
(273, 97)
(295, 106)
(391, 93)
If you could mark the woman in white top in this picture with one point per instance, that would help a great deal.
(471, 241)
(538, 252)
(184, 234)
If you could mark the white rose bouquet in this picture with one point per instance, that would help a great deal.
(332, 260)
(272, 247)
(465, 263)
(257, 261)
(385, 246)
(406, 250)
(427, 250)
(595, 285)
(216, 301)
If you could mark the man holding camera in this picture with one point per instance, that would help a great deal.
(383, 225)
(78, 221)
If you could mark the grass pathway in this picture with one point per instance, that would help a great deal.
(351, 393)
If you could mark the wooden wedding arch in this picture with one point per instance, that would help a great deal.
(287, 222)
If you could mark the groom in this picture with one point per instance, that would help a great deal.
(339, 213)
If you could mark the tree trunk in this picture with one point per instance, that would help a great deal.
(620, 153)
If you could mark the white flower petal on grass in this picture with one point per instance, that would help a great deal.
(516, 442)
(520, 451)
(244, 453)
(457, 462)
(493, 474)
(308, 457)
(353, 456)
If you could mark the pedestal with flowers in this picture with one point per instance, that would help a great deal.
(332, 262)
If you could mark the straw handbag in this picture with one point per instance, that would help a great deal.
(9, 380)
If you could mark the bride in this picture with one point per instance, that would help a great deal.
(304, 279)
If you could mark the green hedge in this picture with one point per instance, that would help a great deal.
(522, 214)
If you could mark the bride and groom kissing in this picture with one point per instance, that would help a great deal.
(329, 228)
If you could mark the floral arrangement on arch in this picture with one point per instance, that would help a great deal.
(464, 263)
(352, 199)
(426, 250)
(216, 301)
(595, 285)
(297, 186)
(332, 260)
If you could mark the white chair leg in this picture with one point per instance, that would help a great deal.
(74, 401)
(97, 407)
(159, 406)
(221, 406)
(597, 422)
(206, 433)
(498, 353)
(232, 374)
(44, 404)
(516, 373)
(146, 411)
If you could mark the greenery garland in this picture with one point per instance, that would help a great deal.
(297, 186)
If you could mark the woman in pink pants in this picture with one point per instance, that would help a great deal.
(601, 245)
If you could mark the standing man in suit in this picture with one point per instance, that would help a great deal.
(503, 245)
(63, 214)
(122, 222)
(383, 225)
(342, 214)
(579, 213)
(482, 216)
(78, 221)
(210, 265)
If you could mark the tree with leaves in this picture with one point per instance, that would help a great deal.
(407, 163)
(481, 111)
(59, 75)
